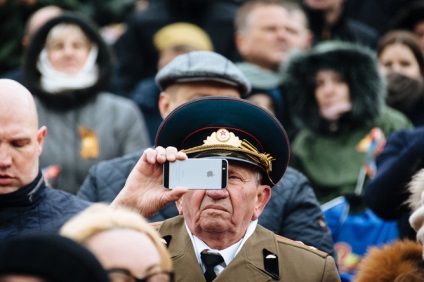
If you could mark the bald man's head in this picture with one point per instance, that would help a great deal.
(20, 139)
(17, 99)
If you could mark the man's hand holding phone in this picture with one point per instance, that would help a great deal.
(144, 188)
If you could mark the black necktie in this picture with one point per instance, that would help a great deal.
(210, 260)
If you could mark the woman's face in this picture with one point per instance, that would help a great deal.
(68, 49)
(332, 94)
(126, 249)
(399, 58)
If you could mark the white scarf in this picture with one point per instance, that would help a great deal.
(54, 81)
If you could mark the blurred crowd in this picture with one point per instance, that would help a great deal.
(345, 78)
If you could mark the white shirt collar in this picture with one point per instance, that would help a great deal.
(227, 254)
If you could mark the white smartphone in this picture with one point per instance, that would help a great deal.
(196, 174)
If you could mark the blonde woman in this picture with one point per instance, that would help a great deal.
(127, 246)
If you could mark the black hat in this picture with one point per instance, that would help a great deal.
(231, 128)
(51, 257)
(202, 66)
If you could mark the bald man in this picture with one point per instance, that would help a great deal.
(27, 205)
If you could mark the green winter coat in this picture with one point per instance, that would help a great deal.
(331, 161)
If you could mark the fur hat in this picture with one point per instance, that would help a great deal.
(400, 261)
(357, 64)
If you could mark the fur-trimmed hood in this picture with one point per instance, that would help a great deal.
(71, 98)
(356, 63)
(400, 261)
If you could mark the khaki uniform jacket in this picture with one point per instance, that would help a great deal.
(264, 257)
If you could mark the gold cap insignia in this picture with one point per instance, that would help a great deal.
(225, 140)
(222, 136)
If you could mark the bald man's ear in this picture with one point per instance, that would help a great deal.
(164, 104)
(41, 134)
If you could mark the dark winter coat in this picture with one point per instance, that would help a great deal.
(293, 210)
(36, 208)
(386, 193)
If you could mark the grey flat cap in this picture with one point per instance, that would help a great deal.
(202, 66)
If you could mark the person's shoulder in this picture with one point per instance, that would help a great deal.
(64, 199)
(130, 158)
(123, 164)
(284, 242)
(287, 245)
(391, 115)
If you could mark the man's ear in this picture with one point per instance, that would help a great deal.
(240, 43)
(262, 197)
(164, 104)
(41, 135)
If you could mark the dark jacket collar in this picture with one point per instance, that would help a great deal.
(26, 196)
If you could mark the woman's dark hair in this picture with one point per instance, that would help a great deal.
(405, 38)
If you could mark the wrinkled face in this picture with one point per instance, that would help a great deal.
(399, 58)
(20, 145)
(67, 48)
(126, 249)
(332, 94)
(265, 41)
(225, 211)
(419, 32)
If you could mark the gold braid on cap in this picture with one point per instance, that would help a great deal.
(225, 140)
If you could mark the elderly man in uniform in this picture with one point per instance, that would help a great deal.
(293, 210)
(216, 234)
(27, 205)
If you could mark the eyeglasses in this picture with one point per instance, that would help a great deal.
(124, 275)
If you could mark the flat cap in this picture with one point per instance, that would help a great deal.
(217, 126)
(202, 66)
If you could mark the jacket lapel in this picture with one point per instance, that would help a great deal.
(252, 263)
(184, 259)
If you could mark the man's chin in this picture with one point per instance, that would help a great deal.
(214, 223)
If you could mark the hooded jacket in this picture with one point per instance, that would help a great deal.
(84, 125)
(326, 153)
